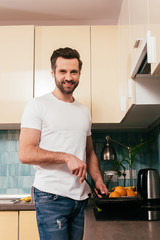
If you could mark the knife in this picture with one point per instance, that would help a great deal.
(94, 192)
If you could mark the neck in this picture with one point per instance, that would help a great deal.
(62, 96)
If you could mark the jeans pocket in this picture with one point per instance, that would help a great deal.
(44, 197)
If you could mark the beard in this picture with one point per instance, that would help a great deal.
(65, 89)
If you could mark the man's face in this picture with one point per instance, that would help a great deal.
(66, 74)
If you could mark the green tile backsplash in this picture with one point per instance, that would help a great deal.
(17, 178)
(151, 150)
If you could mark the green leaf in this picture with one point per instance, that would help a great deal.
(125, 160)
(123, 167)
(115, 162)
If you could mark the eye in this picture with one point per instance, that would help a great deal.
(74, 71)
(62, 71)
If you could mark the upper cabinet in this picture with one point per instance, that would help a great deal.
(16, 71)
(154, 25)
(49, 38)
(123, 68)
(107, 53)
(105, 75)
(155, 30)
(147, 18)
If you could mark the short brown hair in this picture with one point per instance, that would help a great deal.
(67, 53)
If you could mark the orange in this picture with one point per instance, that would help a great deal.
(121, 190)
(136, 192)
(130, 192)
(114, 194)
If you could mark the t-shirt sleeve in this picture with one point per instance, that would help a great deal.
(31, 117)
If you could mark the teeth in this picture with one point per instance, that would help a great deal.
(68, 83)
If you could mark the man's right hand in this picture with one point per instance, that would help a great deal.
(76, 166)
(31, 153)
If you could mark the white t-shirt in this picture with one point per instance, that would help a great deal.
(64, 128)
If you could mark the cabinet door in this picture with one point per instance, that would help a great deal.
(105, 81)
(16, 71)
(124, 68)
(28, 225)
(49, 38)
(127, 53)
(9, 225)
(155, 31)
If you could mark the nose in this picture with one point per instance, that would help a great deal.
(68, 77)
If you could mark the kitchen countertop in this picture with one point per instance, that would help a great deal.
(20, 206)
(121, 230)
(110, 230)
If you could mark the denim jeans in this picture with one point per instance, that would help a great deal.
(59, 218)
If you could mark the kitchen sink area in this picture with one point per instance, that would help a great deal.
(11, 198)
(19, 215)
(15, 202)
(8, 201)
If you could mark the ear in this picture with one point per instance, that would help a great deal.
(52, 73)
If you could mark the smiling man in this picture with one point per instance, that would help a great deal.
(56, 138)
(66, 75)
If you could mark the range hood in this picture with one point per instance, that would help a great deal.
(146, 55)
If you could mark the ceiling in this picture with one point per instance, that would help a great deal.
(59, 12)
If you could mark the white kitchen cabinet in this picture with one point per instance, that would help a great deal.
(9, 225)
(154, 26)
(105, 75)
(155, 31)
(123, 68)
(143, 103)
(16, 71)
(28, 226)
(136, 32)
(49, 38)
(148, 19)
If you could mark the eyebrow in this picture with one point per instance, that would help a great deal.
(72, 71)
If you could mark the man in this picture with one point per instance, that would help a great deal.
(56, 138)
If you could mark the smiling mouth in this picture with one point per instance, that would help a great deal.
(69, 83)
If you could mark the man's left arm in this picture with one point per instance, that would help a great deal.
(93, 167)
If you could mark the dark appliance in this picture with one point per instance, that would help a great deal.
(148, 186)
